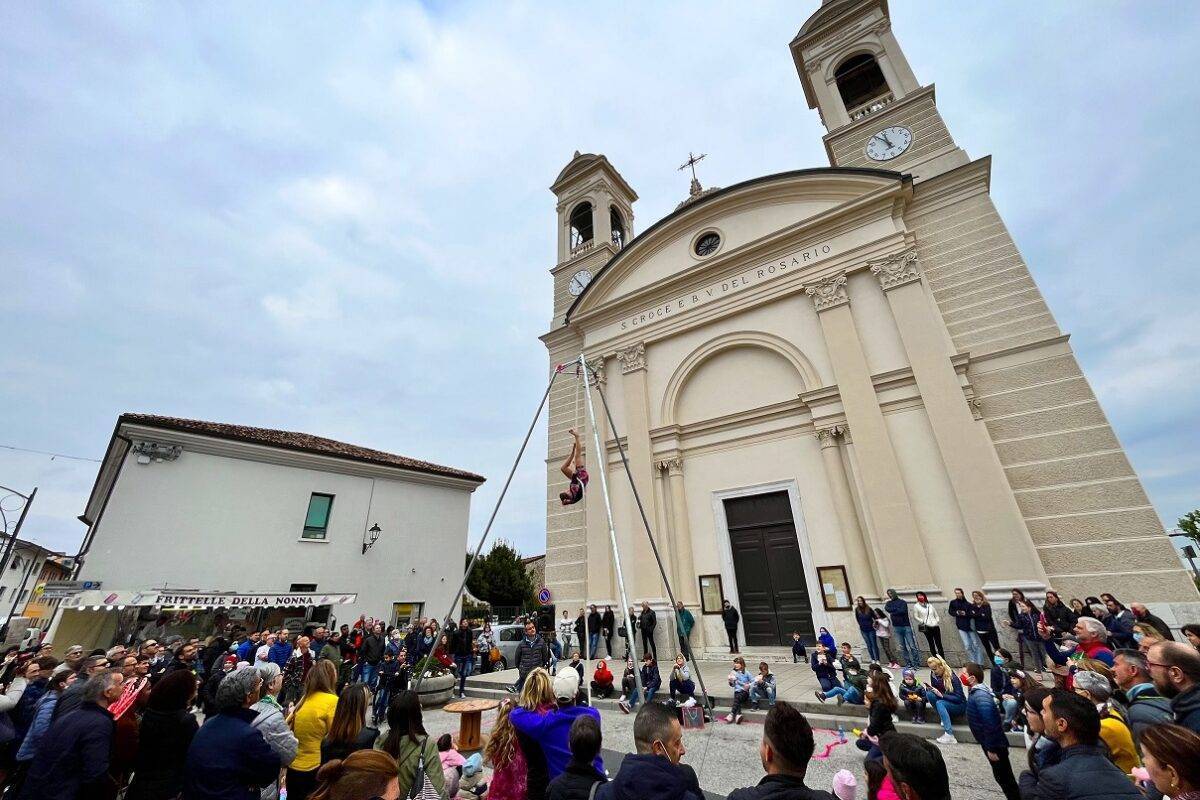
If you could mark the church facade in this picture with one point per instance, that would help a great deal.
(831, 382)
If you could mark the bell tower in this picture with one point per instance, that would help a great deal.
(875, 111)
(595, 220)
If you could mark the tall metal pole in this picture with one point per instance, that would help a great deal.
(462, 586)
(12, 538)
(653, 546)
(612, 535)
(20, 591)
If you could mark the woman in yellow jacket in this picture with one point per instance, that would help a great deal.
(311, 722)
(1114, 732)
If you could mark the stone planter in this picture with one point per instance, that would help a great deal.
(436, 691)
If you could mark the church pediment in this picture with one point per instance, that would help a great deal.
(740, 216)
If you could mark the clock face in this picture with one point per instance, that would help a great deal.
(889, 143)
(579, 282)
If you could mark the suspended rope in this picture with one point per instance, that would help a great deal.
(685, 651)
(488, 528)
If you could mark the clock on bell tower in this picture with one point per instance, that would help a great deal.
(876, 113)
(595, 220)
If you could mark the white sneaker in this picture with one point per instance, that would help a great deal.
(946, 738)
(620, 699)
(737, 720)
(623, 706)
(729, 718)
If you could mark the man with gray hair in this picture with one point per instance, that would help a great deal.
(228, 758)
(1139, 699)
(75, 761)
(1092, 638)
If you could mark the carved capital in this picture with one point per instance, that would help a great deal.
(897, 269)
(633, 358)
(828, 436)
(672, 466)
(829, 293)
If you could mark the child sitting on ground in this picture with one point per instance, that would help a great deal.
(602, 681)
(798, 652)
(577, 781)
(912, 694)
(681, 682)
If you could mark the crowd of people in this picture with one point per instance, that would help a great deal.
(329, 714)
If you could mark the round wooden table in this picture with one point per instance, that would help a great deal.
(472, 710)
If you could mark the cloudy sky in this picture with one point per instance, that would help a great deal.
(334, 218)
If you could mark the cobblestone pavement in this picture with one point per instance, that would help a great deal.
(726, 756)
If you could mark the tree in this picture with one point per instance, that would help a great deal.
(500, 578)
(1189, 525)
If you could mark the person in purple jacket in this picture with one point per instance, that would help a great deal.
(541, 718)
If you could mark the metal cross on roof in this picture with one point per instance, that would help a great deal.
(691, 162)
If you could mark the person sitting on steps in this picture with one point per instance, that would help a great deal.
(575, 471)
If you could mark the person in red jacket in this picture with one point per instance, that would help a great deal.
(602, 680)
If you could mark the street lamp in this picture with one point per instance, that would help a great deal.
(370, 537)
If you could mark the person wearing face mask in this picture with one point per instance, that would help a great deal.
(654, 773)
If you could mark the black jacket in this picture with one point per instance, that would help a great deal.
(579, 628)
(537, 774)
(75, 755)
(1185, 706)
(1060, 617)
(462, 642)
(593, 622)
(1083, 773)
(371, 649)
(649, 777)
(163, 741)
(575, 782)
(532, 654)
(731, 617)
(608, 621)
(649, 622)
(364, 741)
(961, 611)
(779, 787)
(1158, 625)
(229, 759)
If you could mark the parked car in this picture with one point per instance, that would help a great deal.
(507, 639)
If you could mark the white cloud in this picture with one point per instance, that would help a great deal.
(209, 206)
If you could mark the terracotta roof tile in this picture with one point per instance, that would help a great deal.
(292, 440)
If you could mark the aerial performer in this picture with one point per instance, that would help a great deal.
(575, 471)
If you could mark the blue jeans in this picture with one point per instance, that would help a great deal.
(466, 665)
(828, 683)
(946, 707)
(593, 644)
(872, 644)
(369, 674)
(974, 647)
(1011, 707)
(758, 692)
(908, 647)
(848, 693)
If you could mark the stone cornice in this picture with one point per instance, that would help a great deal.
(845, 217)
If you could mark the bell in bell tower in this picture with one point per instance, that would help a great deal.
(857, 77)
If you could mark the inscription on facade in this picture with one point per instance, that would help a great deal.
(723, 288)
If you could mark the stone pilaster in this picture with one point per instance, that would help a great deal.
(858, 564)
(998, 549)
(641, 572)
(902, 558)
